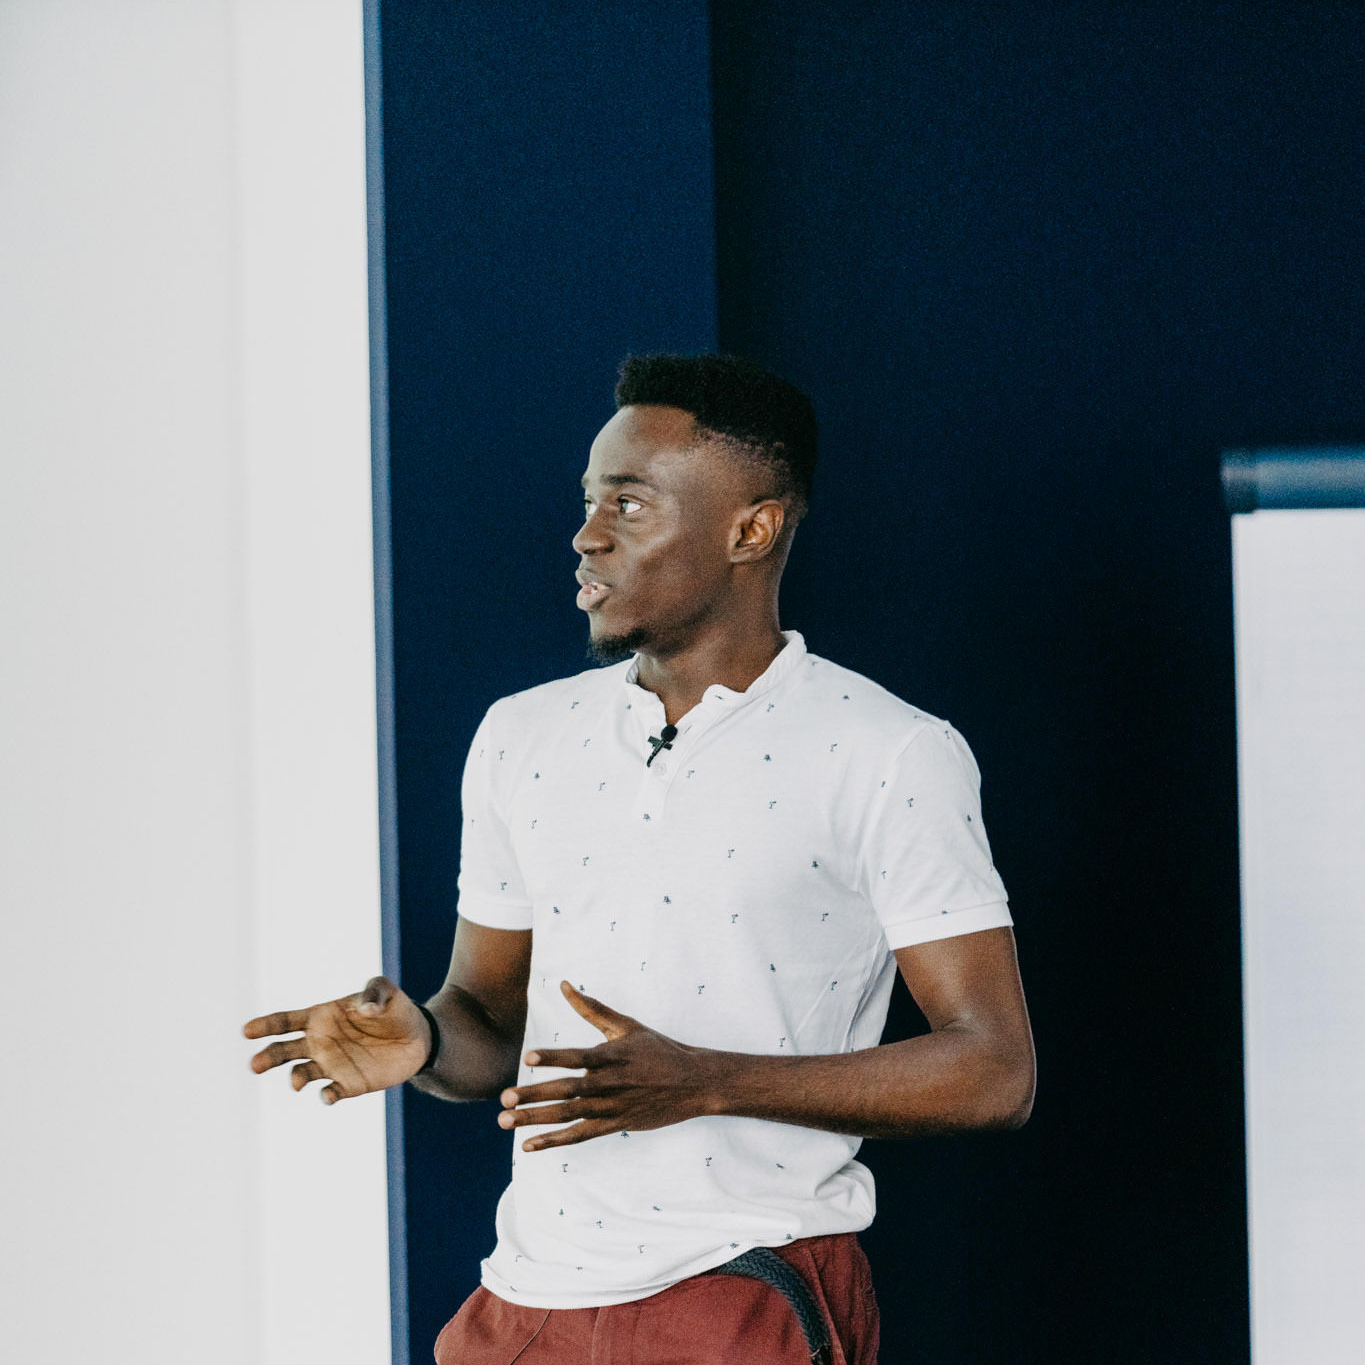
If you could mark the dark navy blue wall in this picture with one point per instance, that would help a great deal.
(1037, 264)
(547, 184)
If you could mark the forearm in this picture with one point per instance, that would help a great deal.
(479, 1053)
(943, 1082)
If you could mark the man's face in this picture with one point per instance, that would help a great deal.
(660, 512)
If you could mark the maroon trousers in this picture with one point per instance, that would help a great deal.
(707, 1320)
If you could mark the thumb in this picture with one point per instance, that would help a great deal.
(602, 1017)
(375, 998)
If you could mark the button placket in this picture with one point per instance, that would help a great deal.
(651, 797)
(652, 794)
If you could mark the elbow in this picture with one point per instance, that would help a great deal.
(1018, 1115)
(1007, 1099)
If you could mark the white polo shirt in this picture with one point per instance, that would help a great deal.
(744, 892)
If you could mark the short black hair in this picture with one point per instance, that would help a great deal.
(764, 418)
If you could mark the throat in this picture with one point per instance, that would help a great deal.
(680, 681)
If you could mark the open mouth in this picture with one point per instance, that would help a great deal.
(592, 594)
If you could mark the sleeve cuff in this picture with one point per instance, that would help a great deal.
(948, 924)
(495, 914)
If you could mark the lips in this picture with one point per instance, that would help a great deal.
(593, 591)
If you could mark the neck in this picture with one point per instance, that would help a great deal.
(732, 659)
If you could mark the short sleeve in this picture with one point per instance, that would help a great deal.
(925, 861)
(491, 888)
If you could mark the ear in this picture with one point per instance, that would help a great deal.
(758, 532)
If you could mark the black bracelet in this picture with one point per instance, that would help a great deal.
(435, 1049)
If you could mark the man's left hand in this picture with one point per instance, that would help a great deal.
(635, 1080)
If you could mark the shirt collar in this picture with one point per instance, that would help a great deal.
(787, 661)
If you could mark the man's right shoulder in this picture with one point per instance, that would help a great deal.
(549, 701)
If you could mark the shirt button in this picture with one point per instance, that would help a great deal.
(661, 768)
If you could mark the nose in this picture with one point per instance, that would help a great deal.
(592, 537)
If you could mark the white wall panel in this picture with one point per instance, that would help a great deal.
(187, 784)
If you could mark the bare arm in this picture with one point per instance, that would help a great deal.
(975, 1069)
(481, 1012)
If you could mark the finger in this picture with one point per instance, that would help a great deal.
(551, 1113)
(563, 1089)
(575, 1132)
(600, 1016)
(332, 1093)
(287, 1021)
(572, 1058)
(303, 1073)
(290, 1050)
(378, 991)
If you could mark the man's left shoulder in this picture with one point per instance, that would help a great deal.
(869, 710)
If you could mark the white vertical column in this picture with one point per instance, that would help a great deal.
(187, 784)
(1300, 609)
(310, 595)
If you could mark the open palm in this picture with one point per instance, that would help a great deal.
(360, 1043)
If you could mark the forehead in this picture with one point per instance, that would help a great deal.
(640, 437)
(658, 445)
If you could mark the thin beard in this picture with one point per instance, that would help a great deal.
(611, 649)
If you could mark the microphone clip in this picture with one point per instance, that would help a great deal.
(664, 740)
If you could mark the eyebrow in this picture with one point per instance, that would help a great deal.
(620, 480)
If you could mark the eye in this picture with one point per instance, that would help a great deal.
(628, 505)
(588, 505)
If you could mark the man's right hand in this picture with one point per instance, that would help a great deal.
(363, 1042)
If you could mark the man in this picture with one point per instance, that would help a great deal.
(687, 882)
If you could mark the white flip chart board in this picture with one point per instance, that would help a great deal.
(1299, 578)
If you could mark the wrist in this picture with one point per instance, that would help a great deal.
(434, 1049)
(723, 1082)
